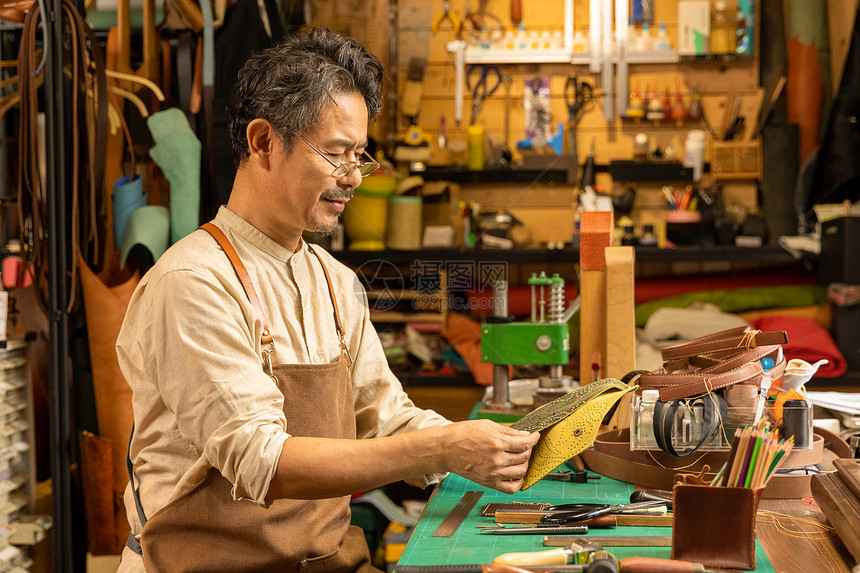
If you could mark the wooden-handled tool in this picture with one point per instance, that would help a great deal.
(516, 12)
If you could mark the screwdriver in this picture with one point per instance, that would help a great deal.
(601, 562)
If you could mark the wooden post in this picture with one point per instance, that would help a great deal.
(595, 236)
(620, 324)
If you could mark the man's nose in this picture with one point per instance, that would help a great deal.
(352, 179)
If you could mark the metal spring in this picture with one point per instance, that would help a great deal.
(556, 303)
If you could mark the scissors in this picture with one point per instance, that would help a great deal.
(577, 96)
(489, 78)
(576, 512)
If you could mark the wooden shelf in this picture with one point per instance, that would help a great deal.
(766, 254)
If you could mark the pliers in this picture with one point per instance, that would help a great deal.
(447, 14)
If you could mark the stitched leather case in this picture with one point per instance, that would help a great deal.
(715, 526)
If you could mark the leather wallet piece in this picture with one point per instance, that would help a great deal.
(715, 526)
(568, 425)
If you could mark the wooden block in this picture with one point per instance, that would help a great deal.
(595, 232)
(841, 508)
(848, 471)
(620, 324)
(592, 323)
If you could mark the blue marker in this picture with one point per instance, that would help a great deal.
(766, 363)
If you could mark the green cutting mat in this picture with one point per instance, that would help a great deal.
(466, 546)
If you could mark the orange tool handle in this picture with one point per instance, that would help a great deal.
(516, 12)
(654, 565)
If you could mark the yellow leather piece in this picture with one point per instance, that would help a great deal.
(575, 432)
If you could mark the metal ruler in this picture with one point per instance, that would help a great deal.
(611, 540)
(572, 529)
(452, 522)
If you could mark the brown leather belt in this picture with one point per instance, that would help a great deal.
(612, 457)
(714, 362)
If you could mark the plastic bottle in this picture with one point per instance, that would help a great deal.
(723, 40)
(546, 40)
(644, 41)
(635, 107)
(631, 36)
(522, 38)
(694, 152)
(645, 426)
(534, 40)
(510, 40)
(655, 110)
(640, 146)
(580, 41)
(695, 111)
(661, 43)
(648, 237)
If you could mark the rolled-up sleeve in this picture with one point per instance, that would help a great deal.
(207, 347)
(382, 407)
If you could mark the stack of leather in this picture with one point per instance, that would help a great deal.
(838, 495)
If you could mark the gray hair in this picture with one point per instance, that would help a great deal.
(290, 84)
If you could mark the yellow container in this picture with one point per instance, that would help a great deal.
(404, 223)
(365, 216)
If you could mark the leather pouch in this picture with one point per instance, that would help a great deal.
(105, 520)
(714, 526)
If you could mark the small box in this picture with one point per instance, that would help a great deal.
(694, 27)
(840, 243)
(687, 426)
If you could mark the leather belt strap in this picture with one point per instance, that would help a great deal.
(731, 340)
(714, 362)
(714, 410)
(612, 457)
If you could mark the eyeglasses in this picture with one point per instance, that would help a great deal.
(341, 169)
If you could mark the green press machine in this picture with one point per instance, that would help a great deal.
(542, 340)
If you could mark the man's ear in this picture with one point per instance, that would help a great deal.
(261, 141)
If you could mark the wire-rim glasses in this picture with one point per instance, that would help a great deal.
(341, 169)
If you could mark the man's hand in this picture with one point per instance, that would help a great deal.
(488, 453)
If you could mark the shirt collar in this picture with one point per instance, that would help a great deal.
(227, 219)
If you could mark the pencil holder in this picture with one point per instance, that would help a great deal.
(714, 526)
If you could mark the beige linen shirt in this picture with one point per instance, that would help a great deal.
(190, 350)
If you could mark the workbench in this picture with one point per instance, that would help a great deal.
(775, 550)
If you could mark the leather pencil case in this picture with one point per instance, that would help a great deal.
(714, 526)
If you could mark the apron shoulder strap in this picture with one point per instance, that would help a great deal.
(222, 239)
(341, 333)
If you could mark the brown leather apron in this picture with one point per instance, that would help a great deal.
(207, 531)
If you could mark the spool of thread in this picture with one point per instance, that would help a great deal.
(795, 422)
(476, 137)
(742, 400)
(854, 445)
(404, 223)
